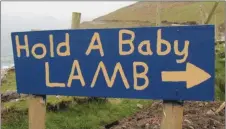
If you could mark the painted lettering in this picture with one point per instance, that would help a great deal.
(128, 41)
(183, 53)
(161, 42)
(51, 45)
(145, 44)
(47, 78)
(19, 47)
(110, 82)
(137, 75)
(79, 76)
(66, 45)
(96, 37)
(36, 46)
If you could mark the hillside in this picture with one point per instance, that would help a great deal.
(144, 14)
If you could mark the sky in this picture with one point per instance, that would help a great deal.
(62, 10)
(24, 16)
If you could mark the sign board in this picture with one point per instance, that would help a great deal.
(170, 63)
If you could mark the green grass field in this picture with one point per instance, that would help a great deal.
(9, 83)
(90, 115)
(220, 72)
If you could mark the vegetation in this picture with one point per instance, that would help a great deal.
(191, 12)
(220, 72)
(90, 115)
(9, 83)
(142, 12)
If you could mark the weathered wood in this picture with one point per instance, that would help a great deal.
(75, 23)
(172, 115)
(222, 106)
(37, 112)
(158, 13)
(76, 17)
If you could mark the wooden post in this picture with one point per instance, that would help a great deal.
(222, 106)
(158, 14)
(37, 111)
(76, 17)
(172, 115)
(75, 23)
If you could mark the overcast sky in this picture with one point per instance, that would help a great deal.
(62, 10)
(24, 16)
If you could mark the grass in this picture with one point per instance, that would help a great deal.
(220, 72)
(91, 115)
(9, 83)
(170, 11)
(53, 100)
(191, 12)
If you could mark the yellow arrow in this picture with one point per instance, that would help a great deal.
(192, 76)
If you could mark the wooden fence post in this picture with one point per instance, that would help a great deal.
(75, 23)
(76, 17)
(37, 111)
(172, 115)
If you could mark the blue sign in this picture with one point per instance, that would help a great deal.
(169, 63)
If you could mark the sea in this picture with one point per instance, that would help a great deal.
(7, 61)
(6, 52)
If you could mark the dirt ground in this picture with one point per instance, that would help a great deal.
(197, 115)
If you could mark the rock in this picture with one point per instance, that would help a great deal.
(210, 112)
(213, 121)
(112, 124)
(139, 118)
(7, 96)
(206, 103)
(23, 95)
(17, 100)
(201, 104)
(58, 106)
(115, 101)
(190, 127)
(156, 103)
(155, 127)
(14, 100)
(58, 96)
(129, 119)
(187, 121)
(147, 126)
(140, 106)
